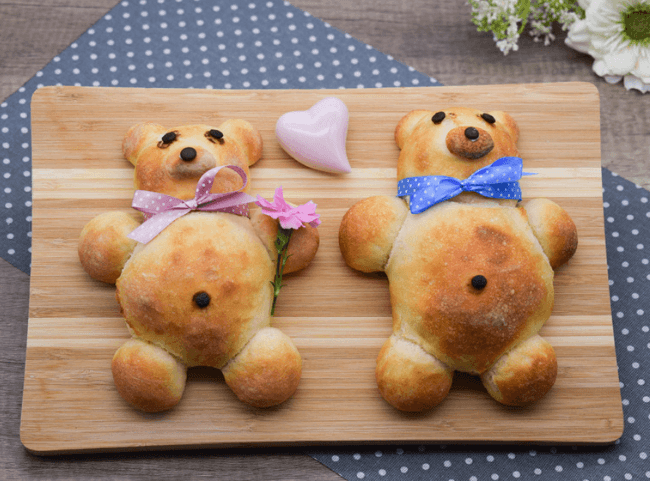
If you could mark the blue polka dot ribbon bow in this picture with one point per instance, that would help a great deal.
(498, 180)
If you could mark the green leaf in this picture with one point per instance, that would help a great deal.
(522, 11)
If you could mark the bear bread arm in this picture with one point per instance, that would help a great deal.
(369, 229)
(554, 229)
(303, 244)
(104, 246)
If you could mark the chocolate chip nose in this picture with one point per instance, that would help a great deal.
(188, 154)
(469, 142)
(471, 133)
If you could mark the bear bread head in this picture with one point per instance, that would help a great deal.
(454, 142)
(172, 160)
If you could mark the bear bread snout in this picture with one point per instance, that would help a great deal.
(469, 142)
(190, 162)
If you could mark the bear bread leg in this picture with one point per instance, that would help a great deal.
(524, 374)
(267, 371)
(409, 378)
(147, 376)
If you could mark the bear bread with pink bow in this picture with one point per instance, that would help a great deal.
(195, 279)
(470, 268)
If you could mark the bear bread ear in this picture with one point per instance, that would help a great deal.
(138, 137)
(408, 123)
(246, 136)
(506, 122)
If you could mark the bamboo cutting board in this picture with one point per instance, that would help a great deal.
(337, 317)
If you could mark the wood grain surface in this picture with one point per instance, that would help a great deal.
(337, 317)
(433, 36)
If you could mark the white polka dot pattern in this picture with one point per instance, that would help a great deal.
(238, 44)
(627, 225)
(160, 210)
(499, 180)
(223, 44)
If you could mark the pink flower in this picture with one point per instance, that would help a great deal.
(289, 217)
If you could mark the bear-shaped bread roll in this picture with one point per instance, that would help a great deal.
(470, 268)
(199, 293)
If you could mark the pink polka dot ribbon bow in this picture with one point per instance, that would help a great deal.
(160, 210)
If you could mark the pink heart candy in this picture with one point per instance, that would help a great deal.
(316, 137)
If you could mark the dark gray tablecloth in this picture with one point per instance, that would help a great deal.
(186, 44)
(251, 45)
(627, 226)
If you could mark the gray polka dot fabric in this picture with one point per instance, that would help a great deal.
(236, 44)
(205, 44)
(627, 228)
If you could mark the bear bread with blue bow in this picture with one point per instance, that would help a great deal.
(195, 289)
(470, 268)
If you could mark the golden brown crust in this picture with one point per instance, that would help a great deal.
(249, 138)
(469, 278)
(104, 246)
(267, 371)
(147, 376)
(158, 286)
(459, 145)
(407, 123)
(368, 230)
(200, 292)
(160, 168)
(555, 230)
(266, 228)
(508, 124)
(523, 375)
(425, 145)
(138, 137)
(302, 248)
(430, 273)
(303, 244)
(409, 379)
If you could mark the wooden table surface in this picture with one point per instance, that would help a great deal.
(435, 37)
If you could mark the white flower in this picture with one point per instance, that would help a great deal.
(512, 36)
(616, 33)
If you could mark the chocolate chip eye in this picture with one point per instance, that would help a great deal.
(479, 282)
(201, 299)
(188, 154)
(438, 117)
(169, 137)
(488, 118)
(216, 134)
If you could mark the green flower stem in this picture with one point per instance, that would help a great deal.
(281, 245)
